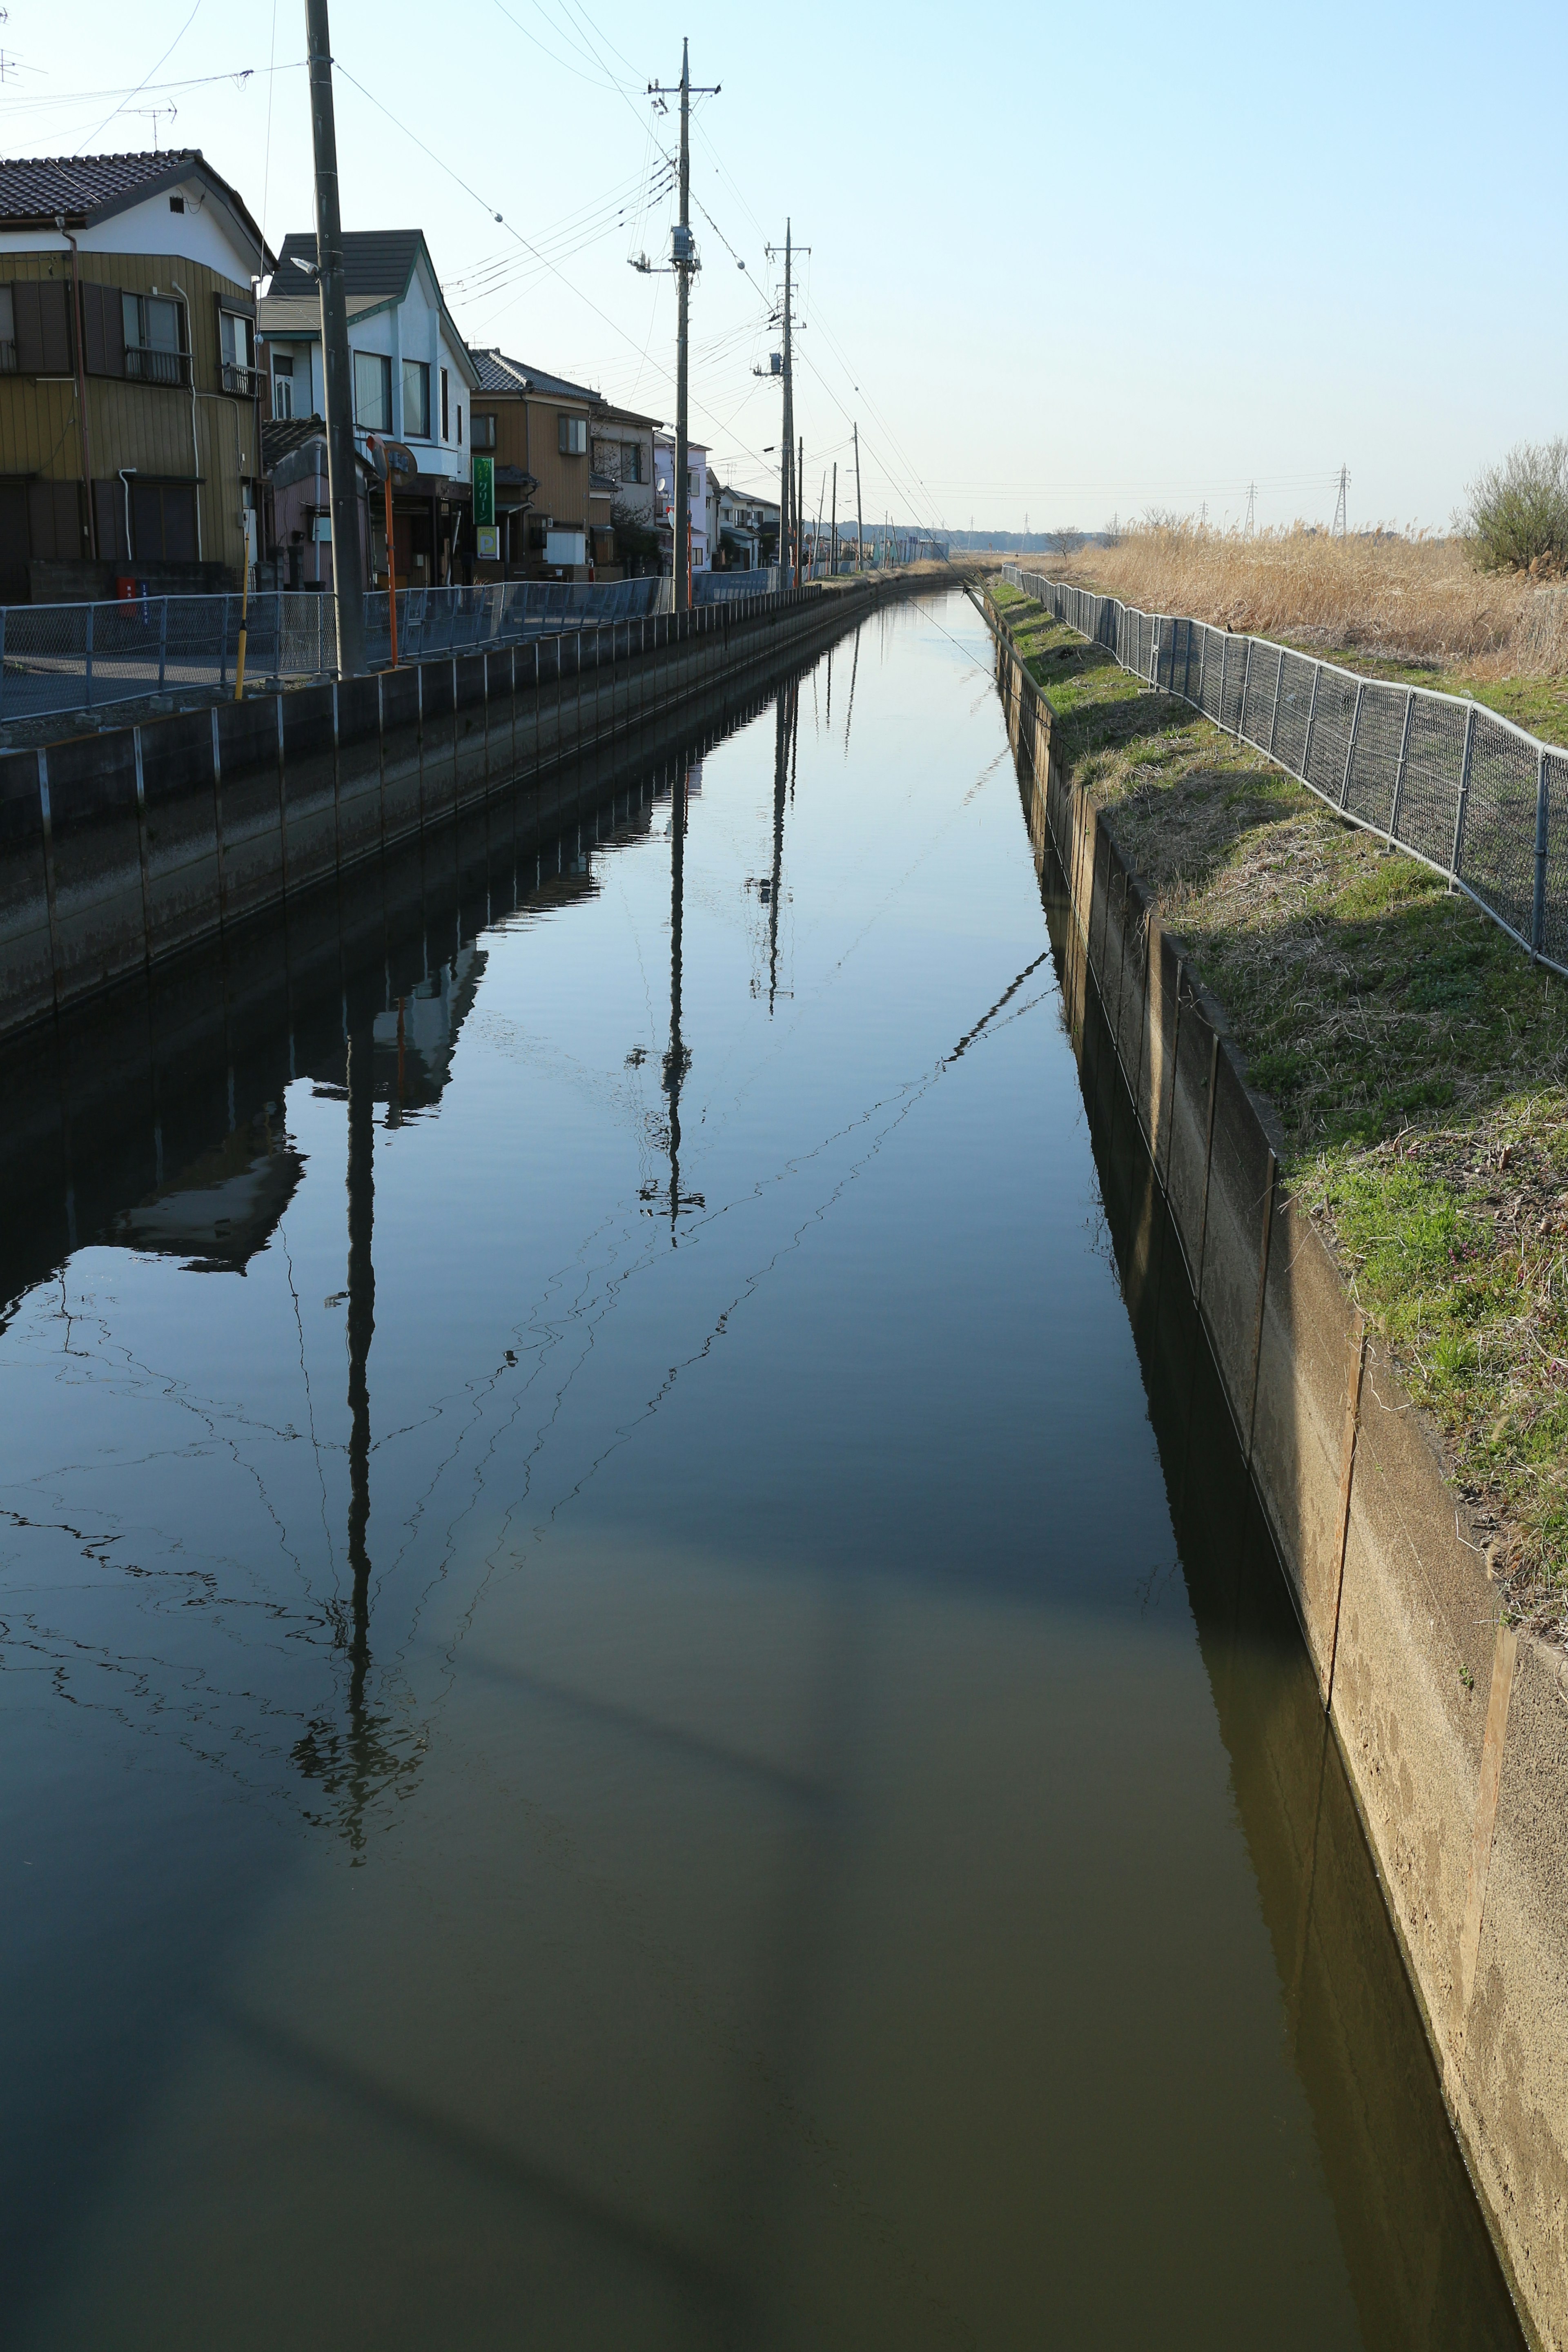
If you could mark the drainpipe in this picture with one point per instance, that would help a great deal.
(125, 473)
(82, 387)
(196, 451)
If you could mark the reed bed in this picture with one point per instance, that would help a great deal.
(1411, 598)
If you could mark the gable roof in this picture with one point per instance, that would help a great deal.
(499, 373)
(378, 270)
(34, 191)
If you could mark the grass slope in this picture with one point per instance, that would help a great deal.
(1417, 1062)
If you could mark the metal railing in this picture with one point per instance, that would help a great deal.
(153, 366)
(83, 657)
(1437, 775)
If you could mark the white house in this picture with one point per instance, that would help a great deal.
(697, 490)
(413, 381)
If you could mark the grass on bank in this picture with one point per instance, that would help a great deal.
(1417, 1062)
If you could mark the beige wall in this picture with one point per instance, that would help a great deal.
(526, 436)
(145, 425)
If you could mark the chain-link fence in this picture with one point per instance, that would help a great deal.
(1436, 774)
(71, 657)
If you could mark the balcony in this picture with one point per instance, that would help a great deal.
(244, 383)
(144, 365)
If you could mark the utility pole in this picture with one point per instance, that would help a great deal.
(343, 469)
(800, 507)
(835, 573)
(684, 261)
(859, 515)
(789, 500)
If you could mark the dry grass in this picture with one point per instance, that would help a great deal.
(1417, 598)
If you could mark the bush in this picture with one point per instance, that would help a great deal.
(1515, 517)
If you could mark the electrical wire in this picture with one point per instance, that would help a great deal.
(142, 85)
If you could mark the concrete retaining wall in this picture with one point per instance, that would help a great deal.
(1453, 1727)
(120, 850)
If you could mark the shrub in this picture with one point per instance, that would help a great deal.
(1516, 514)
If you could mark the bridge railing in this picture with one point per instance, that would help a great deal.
(1437, 775)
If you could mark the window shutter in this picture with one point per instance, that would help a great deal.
(103, 330)
(54, 516)
(43, 326)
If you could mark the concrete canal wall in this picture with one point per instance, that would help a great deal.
(121, 850)
(1454, 1726)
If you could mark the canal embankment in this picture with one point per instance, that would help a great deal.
(124, 850)
(1350, 1089)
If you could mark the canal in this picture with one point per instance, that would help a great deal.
(643, 1704)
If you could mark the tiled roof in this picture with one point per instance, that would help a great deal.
(499, 373)
(280, 434)
(300, 314)
(35, 189)
(377, 261)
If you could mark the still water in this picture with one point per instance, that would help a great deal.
(643, 1704)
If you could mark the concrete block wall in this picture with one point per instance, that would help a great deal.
(1453, 1726)
(120, 850)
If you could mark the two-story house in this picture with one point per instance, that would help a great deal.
(130, 430)
(699, 503)
(413, 383)
(622, 445)
(553, 518)
(742, 520)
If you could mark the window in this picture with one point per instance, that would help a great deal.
(164, 521)
(282, 385)
(237, 352)
(154, 337)
(415, 401)
(459, 424)
(484, 432)
(373, 391)
(631, 462)
(445, 418)
(572, 436)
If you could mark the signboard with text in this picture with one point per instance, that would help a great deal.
(484, 493)
(486, 542)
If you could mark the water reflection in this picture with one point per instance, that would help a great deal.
(710, 1795)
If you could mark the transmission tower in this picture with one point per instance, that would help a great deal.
(1251, 508)
(1341, 504)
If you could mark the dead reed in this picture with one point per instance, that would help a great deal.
(1417, 598)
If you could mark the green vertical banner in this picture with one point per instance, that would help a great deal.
(484, 492)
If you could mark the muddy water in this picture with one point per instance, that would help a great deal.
(643, 1704)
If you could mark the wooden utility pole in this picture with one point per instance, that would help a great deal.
(786, 509)
(684, 261)
(835, 573)
(343, 468)
(800, 505)
(859, 511)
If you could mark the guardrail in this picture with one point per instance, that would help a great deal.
(69, 657)
(1437, 775)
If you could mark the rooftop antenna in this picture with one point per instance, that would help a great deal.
(154, 114)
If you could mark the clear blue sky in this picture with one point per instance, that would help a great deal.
(1063, 262)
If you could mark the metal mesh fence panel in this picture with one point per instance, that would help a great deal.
(1331, 740)
(1497, 849)
(1233, 678)
(1374, 766)
(1293, 705)
(1429, 796)
(1553, 942)
(1212, 670)
(1262, 683)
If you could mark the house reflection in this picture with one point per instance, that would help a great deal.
(222, 1207)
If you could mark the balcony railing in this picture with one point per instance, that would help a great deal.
(245, 383)
(149, 366)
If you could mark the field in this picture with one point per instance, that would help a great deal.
(1410, 608)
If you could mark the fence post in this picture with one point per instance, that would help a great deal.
(1538, 913)
(90, 610)
(223, 644)
(1350, 747)
(1246, 682)
(1399, 772)
(46, 818)
(1465, 793)
(1223, 669)
(163, 640)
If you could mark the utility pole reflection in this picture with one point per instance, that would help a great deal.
(361, 1330)
(677, 1060)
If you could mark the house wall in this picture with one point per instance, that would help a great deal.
(527, 437)
(202, 235)
(697, 468)
(156, 428)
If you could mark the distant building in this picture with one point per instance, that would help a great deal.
(130, 427)
(623, 451)
(413, 383)
(540, 428)
(702, 519)
(743, 523)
